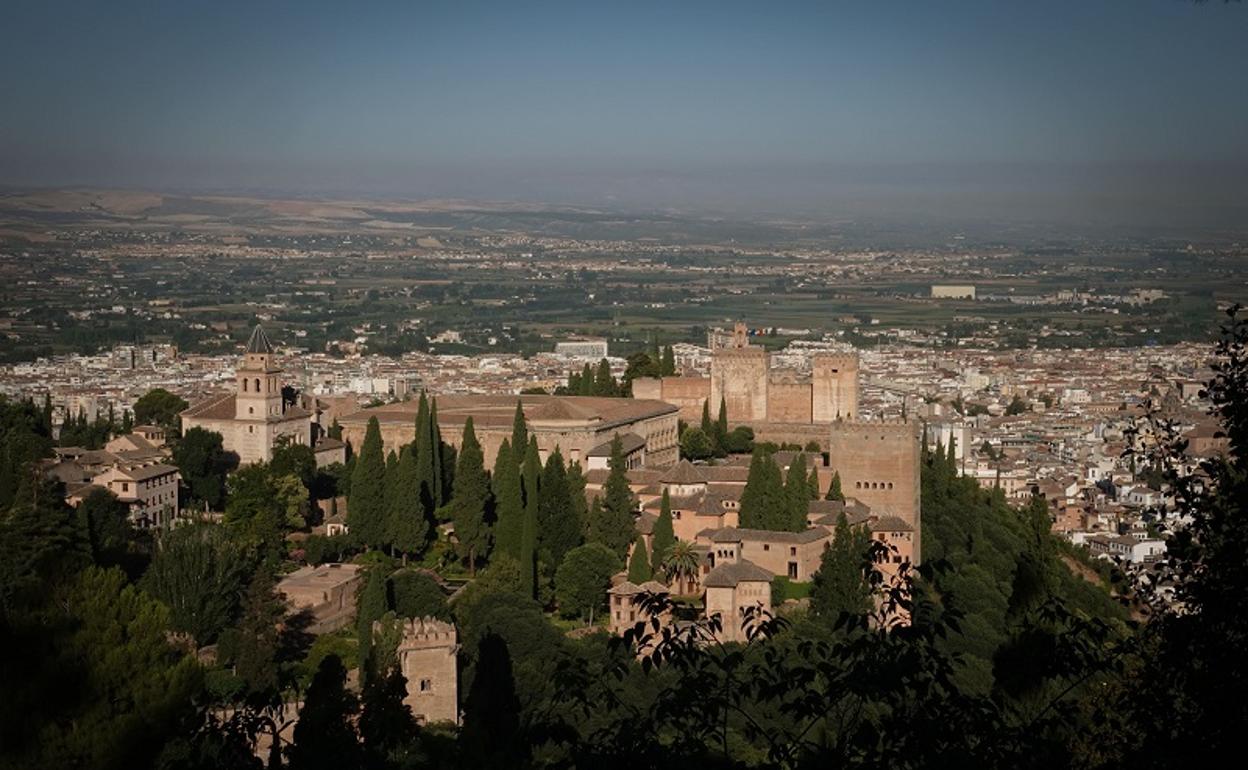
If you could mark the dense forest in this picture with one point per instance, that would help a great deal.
(1003, 650)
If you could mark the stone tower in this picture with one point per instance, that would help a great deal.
(879, 464)
(428, 658)
(834, 386)
(258, 380)
(740, 377)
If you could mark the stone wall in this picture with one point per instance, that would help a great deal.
(788, 402)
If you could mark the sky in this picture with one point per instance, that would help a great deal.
(1123, 109)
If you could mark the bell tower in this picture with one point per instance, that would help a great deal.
(258, 380)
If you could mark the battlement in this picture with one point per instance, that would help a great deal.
(428, 632)
(749, 352)
(889, 429)
(847, 360)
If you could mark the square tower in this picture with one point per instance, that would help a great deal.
(428, 658)
(834, 386)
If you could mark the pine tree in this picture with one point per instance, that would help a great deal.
(834, 488)
(519, 434)
(508, 503)
(366, 506)
(796, 495)
(371, 604)
(407, 527)
(324, 738)
(612, 523)
(638, 565)
(531, 479)
(470, 500)
(813, 482)
(558, 529)
(662, 536)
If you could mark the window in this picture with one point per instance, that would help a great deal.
(766, 546)
(244, 384)
(251, 410)
(125, 486)
(793, 550)
(426, 685)
(792, 570)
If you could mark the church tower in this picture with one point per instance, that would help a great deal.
(258, 380)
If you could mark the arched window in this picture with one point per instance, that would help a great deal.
(257, 384)
(244, 384)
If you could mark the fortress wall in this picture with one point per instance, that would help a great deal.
(687, 393)
(788, 402)
(879, 465)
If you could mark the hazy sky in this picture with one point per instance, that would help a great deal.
(767, 104)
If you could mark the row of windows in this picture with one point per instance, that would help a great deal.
(873, 485)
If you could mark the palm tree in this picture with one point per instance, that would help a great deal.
(681, 566)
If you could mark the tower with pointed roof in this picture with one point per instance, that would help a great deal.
(252, 418)
(258, 380)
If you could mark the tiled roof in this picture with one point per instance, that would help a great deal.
(737, 534)
(259, 341)
(629, 442)
(732, 574)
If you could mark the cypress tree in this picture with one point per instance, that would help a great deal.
(612, 523)
(324, 736)
(586, 382)
(407, 527)
(519, 434)
(604, 383)
(470, 499)
(370, 606)
(425, 467)
(576, 492)
(662, 537)
(668, 367)
(707, 426)
(441, 475)
(531, 480)
(813, 482)
(388, 494)
(490, 736)
(366, 505)
(752, 513)
(953, 457)
(508, 503)
(638, 565)
(840, 585)
(558, 530)
(720, 435)
(834, 488)
(797, 494)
